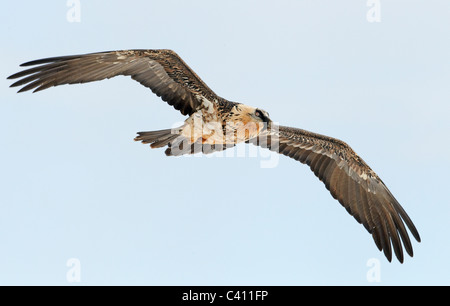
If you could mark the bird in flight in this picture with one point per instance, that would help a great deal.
(215, 124)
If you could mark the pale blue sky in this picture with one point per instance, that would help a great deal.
(74, 184)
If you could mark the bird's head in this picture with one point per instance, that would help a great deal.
(251, 114)
(261, 116)
(250, 121)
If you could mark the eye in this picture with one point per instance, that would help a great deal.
(258, 113)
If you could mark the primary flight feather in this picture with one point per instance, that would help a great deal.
(215, 124)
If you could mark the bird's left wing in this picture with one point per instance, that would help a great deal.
(351, 181)
(163, 71)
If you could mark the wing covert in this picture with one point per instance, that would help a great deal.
(351, 181)
(163, 71)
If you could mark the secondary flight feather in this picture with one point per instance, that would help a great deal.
(215, 124)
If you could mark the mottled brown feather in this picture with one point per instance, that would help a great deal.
(163, 71)
(352, 182)
(348, 178)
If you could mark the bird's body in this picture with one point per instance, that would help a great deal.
(211, 125)
(215, 124)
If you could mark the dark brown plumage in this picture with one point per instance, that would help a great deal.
(163, 71)
(351, 181)
(348, 178)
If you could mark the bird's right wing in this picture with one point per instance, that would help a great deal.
(351, 181)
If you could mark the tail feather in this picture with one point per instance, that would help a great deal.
(157, 139)
(177, 145)
(163, 141)
(181, 147)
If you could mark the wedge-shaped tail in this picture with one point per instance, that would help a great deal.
(178, 145)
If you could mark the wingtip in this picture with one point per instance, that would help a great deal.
(23, 89)
(26, 64)
(13, 76)
(31, 63)
(417, 236)
(389, 258)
